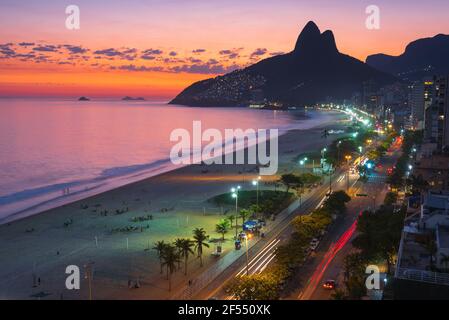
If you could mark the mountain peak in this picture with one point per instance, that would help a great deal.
(312, 41)
(329, 41)
(309, 36)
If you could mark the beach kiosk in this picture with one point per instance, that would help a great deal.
(218, 249)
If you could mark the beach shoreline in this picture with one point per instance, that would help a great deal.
(79, 232)
(98, 186)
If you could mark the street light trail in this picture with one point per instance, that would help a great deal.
(259, 256)
(328, 257)
(266, 264)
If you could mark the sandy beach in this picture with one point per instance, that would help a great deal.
(91, 231)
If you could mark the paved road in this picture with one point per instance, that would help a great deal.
(330, 259)
(263, 253)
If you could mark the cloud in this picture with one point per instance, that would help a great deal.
(194, 60)
(150, 54)
(153, 51)
(147, 57)
(26, 44)
(111, 52)
(173, 54)
(46, 48)
(199, 50)
(130, 51)
(258, 52)
(25, 56)
(230, 53)
(75, 49)
(7, 51)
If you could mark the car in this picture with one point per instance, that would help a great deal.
(329, 284)
(314, 244)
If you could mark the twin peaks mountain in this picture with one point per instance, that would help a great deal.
(313, 72)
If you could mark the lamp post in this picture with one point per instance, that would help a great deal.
(303, 163)
(256, 183)
(88, 269)
(338, 151)
(248, 236)
(347, 157)
(235, 195)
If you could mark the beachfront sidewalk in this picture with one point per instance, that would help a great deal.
(194, 286)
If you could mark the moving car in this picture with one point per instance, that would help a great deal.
(329, 284)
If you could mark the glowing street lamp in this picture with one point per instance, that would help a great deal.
(303, 162)
(248, 236)
(235, 195)
(347, 157)
(338, 149)
(256, 184)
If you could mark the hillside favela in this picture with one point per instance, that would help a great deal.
(207, 152)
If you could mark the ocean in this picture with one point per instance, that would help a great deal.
(54, 152)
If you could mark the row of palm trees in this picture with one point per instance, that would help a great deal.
(171, 254)
(223, 226)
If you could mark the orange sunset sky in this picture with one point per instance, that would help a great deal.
(156, 48)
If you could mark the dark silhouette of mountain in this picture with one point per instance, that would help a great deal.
(313, 72)
(83, 99)
(427, 56)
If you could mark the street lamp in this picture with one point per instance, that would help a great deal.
(338, 151)
(347, 157)
(303, 162)
(248, 236)
(256, 184)
(235, 195)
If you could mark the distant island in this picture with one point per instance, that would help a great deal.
(83, 99)
(127, 98)
(315, 71)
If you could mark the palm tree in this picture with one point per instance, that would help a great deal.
(178, 245)
(244, 213)
(159, 246)
(231, 219)
(170, 258)
(222, 227)
(186, 250)
(199, 238)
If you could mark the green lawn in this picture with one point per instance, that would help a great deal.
(271, 202)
